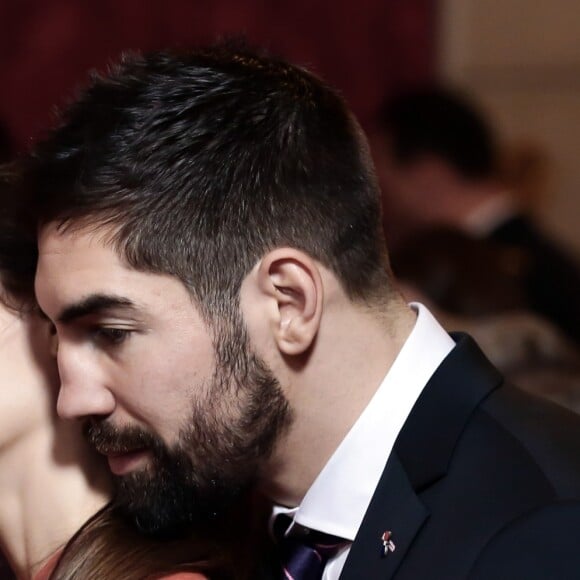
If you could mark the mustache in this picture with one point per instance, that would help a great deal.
(108, 439)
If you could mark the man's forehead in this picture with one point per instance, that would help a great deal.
(75, 262)
(52, 237)
(79, 263)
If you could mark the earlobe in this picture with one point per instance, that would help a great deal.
(293, 279)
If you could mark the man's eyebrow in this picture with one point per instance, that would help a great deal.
(93, 304)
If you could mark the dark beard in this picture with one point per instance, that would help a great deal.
(168, 496)
(230, 434)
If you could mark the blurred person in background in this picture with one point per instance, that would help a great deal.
(470, 284)
(439, 166)
(212, 256)
(55, 517)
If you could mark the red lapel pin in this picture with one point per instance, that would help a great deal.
(388, 545)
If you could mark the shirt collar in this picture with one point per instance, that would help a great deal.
(337, 501)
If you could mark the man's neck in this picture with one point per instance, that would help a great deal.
(353, 353)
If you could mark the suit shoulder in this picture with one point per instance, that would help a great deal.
(549, 434)
(538, 545)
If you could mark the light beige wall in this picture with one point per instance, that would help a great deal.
(521, 59)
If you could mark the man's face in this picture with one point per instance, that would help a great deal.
(185, 426)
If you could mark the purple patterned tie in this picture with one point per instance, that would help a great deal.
(305, 556)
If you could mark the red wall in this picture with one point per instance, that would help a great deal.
(363, 47)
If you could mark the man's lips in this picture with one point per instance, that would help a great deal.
(123, 462)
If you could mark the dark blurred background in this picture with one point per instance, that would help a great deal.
(364, 48)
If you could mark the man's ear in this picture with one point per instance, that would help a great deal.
(293, 280)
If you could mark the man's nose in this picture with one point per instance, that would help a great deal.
(83, 390)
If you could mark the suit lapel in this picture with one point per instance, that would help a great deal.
(420, 457)
(394, 507)
(426, 441)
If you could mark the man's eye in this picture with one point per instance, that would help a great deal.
(110, 336)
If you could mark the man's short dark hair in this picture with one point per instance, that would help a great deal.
(443, 123)
(202, 162)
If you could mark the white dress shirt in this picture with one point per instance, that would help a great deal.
(339, 497)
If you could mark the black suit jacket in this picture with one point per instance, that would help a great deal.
(483, 482)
